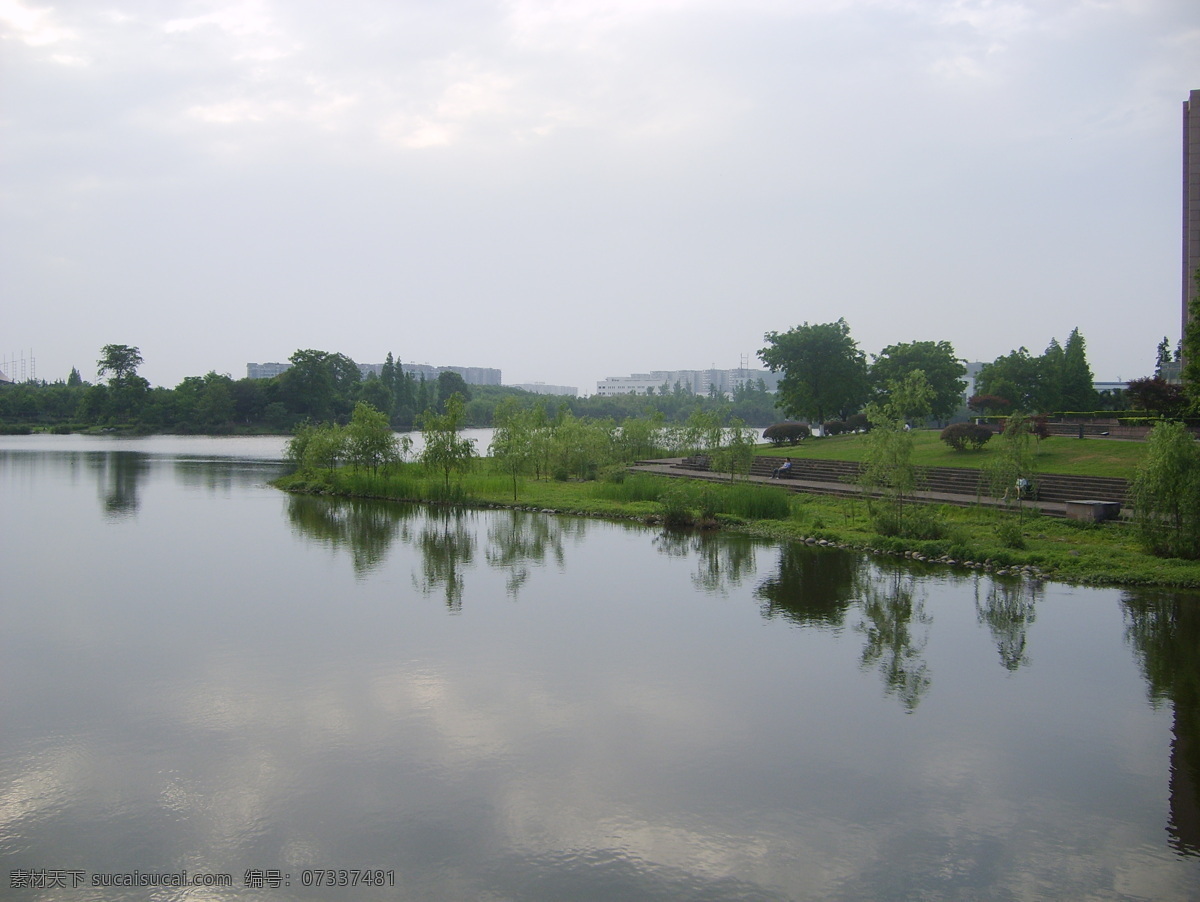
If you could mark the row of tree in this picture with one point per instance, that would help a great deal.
(827, 376)
(320, 387)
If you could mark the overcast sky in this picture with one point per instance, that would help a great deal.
(584, 188)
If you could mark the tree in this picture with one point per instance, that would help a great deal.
(450, 383)
(1166, 493)
(824, 372)
(1015, 377)
(984, 403)
(512, 441)
(315, 447)
(735, 456)
(1190, 349)
(320, 385)
(121, 361)
(1156, 395)
(370, 442)
(444, 450)
(888, 466)
(1163, 359)
(1076, 384)
(1012, 472)
(942, 369)
(126, 389)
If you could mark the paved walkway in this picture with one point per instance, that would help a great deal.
(672, 466)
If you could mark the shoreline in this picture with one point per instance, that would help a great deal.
(1097, 555)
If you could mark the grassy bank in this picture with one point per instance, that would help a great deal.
(1057, 454)
(1094, 554)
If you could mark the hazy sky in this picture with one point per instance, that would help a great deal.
(577, 189)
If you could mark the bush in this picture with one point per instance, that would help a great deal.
(834, 427)
(962, 436)
(1010, 534)
(677, 509)
(858, 423)
(792, 433)
(613, 473)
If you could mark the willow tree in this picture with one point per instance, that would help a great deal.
(1166, 493)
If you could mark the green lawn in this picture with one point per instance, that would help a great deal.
(1058, 454)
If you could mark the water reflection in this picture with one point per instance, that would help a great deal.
(519, 540)
(117, 475)
(1164, 630)
(447, 544)
(366, 529)
(897, 629)
(813, 586)
(648, 740)
(1007, 608)
(722, 562)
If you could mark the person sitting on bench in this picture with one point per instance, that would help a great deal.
(782, 469)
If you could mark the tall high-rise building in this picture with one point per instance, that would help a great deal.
(1191, 198)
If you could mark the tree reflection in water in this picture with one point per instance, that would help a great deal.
(1164, 630)
(722, 561)
(1007, 609)
(118, 474)
(814, 586)
(891, 610)
(519, 539)
(366, 529)
(447, 545)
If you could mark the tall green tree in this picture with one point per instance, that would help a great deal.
(1076, 384)
(512, 449)
(127, 390)
(1016, 377)
(943, 371)
(450, 383)
(445, 450)
(370, 442)
(888, 467)
(320, 385)
(824, 372)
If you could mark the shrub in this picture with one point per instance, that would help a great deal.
(1010, 534)
(858, 423)
(962, 436)
(792, 433)
(834, 427)
(677, 509)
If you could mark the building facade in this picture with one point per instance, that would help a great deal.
(541, 388)
(266, 370)
(472, 375)
(697, 382)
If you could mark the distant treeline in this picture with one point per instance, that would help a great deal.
(319, 387)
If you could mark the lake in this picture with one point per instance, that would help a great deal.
(206, 681)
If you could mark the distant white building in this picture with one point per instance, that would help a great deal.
(699, 382)
(472, 375)
(266, 370)
(541, 388)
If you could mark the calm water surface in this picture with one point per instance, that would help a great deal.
(199, 672)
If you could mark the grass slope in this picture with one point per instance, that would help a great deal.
(1057, 454)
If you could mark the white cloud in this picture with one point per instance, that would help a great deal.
(35, 27)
